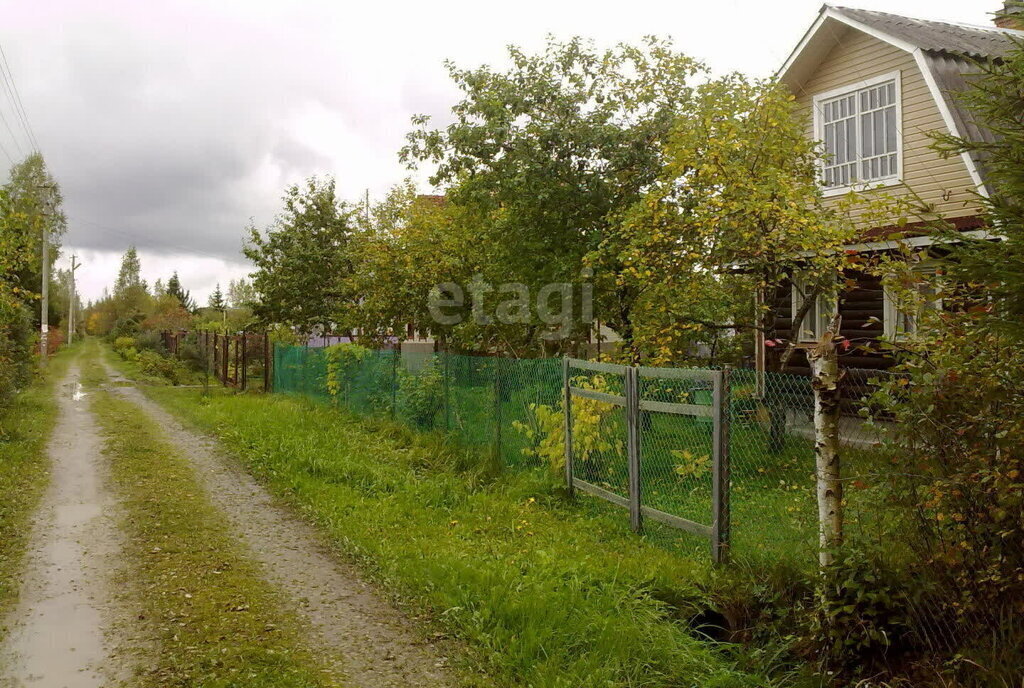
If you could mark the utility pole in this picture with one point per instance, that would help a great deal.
(44, 326)
(71, 308)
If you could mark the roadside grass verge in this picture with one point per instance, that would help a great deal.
(543, 594)
(25, 429)
(212, 618)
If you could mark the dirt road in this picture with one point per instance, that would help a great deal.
(349, 621)
(59, 627)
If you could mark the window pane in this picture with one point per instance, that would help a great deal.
(830, 142)
(883, 167)
(865, 136)
(863, 100)
(878, 129)
(891, 90)
(890, 129)
(851, 140)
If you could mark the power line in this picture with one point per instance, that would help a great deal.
(12, 88)
(11, 132)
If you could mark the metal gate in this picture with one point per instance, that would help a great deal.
(652, 440)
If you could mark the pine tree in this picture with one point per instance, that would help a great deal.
(217, 299)
(175, 289)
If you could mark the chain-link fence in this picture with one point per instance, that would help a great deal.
(505, 406)
(712, 450)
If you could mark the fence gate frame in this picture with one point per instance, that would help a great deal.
(718, 532)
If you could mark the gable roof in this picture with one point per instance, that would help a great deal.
(943, 51)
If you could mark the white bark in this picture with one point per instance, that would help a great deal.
(825, 379)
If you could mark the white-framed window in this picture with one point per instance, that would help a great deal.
(819, 315)
(901, 321)
(861, 134)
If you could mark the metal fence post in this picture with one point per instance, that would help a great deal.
(245, 361)
(446, 372)
(266, 361)
(497, 408)
(567, 404)
(720, 469)
(396, 353)
(632, 395)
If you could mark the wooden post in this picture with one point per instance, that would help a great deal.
(567, 404)
(720, 468)
(224, 355)
(633, 445)
(825, 377)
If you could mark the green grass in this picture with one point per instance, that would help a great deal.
(213, 620)
(25, 428)
(542, 593)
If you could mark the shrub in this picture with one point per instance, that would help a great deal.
(152, 363)
(546, 430)
(421, 395)
(343, 360)
(17, 344)
(150, 340)
(122, 344)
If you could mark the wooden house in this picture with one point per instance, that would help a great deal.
(873, 86)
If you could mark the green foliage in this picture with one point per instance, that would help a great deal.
(543, 156)
(123, 344)
(421, 394)
(180, 294)
(148, 356)
(17, 344)
(738, 187)
(993, 99)
(302, 260)
(30, 204)
(342, 361)
(216, 301)
(590, 434)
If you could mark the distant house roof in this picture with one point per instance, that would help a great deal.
(944, 52)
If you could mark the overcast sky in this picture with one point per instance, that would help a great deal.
(170, 125)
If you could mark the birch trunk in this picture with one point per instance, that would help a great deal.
(825, 379)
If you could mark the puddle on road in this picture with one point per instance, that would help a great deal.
(76, 391)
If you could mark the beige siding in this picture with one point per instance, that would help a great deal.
(858, 57)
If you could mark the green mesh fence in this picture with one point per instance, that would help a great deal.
(513, 409)
(492, 403)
